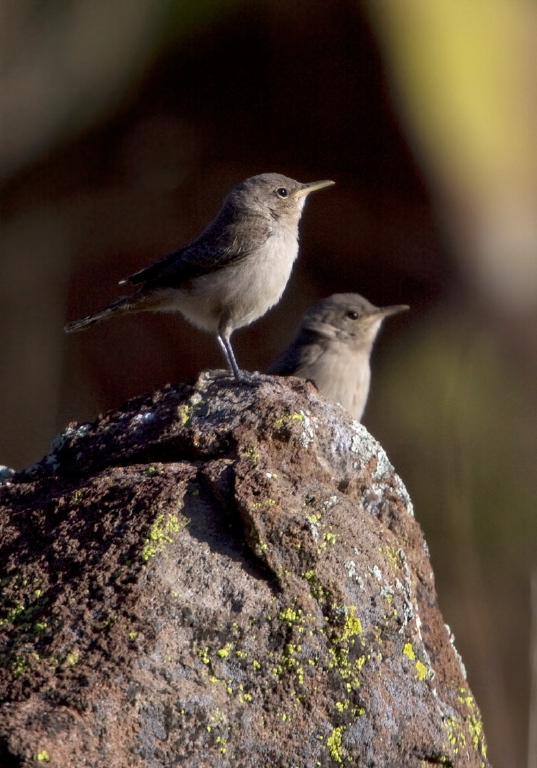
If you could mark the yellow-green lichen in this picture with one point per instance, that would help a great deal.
(408, 650)
(342, 640)
(108, 620)
(475, 724)
(203, 655)
(291, 616)
(283, 420)
(393, 554)
(328, 539)
(335, 744)
(290, 663)
(43, 756)
(290, 648)
(456, 735)
(316, 588)
(339, 660)
(343, 706)
(185, 413)
(245, 697)
(223, 652)
(264, 503)
(72, 658)
(421, 670)
(161, 533)
(13, 614)
(352, 626)
(18, 666)
(476, 730)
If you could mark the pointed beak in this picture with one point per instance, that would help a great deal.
(305, 189)
(388, 311)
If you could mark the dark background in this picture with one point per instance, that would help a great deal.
(125, 123)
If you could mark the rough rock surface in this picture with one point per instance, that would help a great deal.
(223, 575)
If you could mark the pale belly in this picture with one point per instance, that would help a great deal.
(342, 378)
(237, 294)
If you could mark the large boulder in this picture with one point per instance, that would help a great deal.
(223, 575)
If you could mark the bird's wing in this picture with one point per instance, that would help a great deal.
(214, 249)
(147, 273)
(297, 358)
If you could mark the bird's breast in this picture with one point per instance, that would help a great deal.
(260, 279)
(241, 292)
(343, 376)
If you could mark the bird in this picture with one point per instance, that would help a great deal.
(233, 273)
(333, 348)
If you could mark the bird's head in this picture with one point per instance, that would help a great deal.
(348, 318)
(273, 195)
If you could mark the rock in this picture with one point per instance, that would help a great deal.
(223, 575)
(6, 473)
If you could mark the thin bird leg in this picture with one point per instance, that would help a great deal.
(225, 346)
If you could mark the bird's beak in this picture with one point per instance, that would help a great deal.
(388, 311)
(305, 189)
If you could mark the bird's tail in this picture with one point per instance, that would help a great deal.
(119, 307)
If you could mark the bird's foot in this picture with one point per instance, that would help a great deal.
(250, 378)
(247, 378)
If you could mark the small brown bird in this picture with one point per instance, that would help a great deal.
(333, 347)
(234, 272)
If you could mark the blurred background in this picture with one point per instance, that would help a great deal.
(125, 122)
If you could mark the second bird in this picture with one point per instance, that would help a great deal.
(333, 348)
(234, 272)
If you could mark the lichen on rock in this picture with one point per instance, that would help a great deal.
(223, 575)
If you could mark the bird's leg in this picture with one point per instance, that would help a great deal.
(243, 377)
(225, 346)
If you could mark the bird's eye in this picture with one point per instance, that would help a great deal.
(352, 315)
(282, 192)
